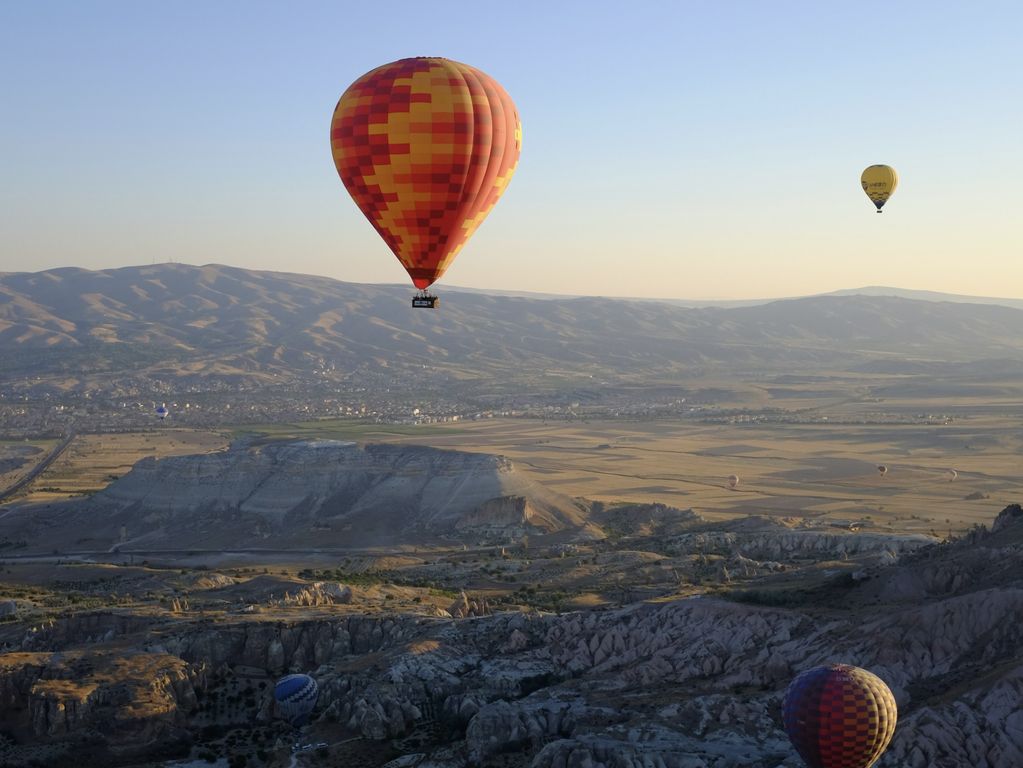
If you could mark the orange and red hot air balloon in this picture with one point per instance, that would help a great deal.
(839, 716)
(425, 147)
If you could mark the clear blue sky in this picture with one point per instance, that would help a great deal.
(679, 149)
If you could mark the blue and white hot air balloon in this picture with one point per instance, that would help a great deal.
(162, 412)
(296, 696)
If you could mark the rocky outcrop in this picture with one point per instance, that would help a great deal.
(507, 516)
(1011, 516)
(646, 746)
(981, 559)
(643, 685)
(285, 645)
(745, 646)
(85, 628)
(464, 606)
(137, 697)
(679, 682)
(318, 493)
(982, 728)
(319, 593)
(213, 581)
(740, 566)
(786, 544)
(501, 725)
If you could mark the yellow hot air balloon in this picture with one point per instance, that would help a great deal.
(879, 182)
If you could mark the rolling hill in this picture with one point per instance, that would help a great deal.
(215, 323)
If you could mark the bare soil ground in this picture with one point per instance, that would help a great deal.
(823, 470)
(92, 462)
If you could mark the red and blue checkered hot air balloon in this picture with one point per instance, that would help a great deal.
(425, 146)
(838, 716)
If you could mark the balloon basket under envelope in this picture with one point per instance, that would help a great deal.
(422, 301)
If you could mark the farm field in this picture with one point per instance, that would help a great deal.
(819, 470)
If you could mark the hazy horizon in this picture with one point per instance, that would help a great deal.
(445, 285)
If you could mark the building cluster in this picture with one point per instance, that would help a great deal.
(23, 416)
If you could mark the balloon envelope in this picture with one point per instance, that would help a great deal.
(839, 716)
(425, 147)
(162, 412)
(879, 182)
(882, 469)
(296, 696)
(733, 481)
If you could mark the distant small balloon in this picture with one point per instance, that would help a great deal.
(296, 696)
(162, 412)
(733, 481)
(951, 475)
(879, 182)
(882, 469)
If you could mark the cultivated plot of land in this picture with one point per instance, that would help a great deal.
(92, 462)
(825, 469)
(817, 470)
(17, 457)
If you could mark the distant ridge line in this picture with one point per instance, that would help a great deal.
(868, 290)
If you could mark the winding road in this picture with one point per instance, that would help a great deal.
(39, 468)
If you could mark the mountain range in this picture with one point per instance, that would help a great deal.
(219, 322)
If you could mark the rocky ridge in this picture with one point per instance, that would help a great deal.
(683, 683)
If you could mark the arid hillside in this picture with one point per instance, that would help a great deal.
(236, 327)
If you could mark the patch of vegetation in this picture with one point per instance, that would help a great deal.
(376, 578)
(550, 600)
(829, 593)
(360, 579)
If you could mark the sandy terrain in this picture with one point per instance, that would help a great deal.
(821, 470)
(816, 470)
(91, 462)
